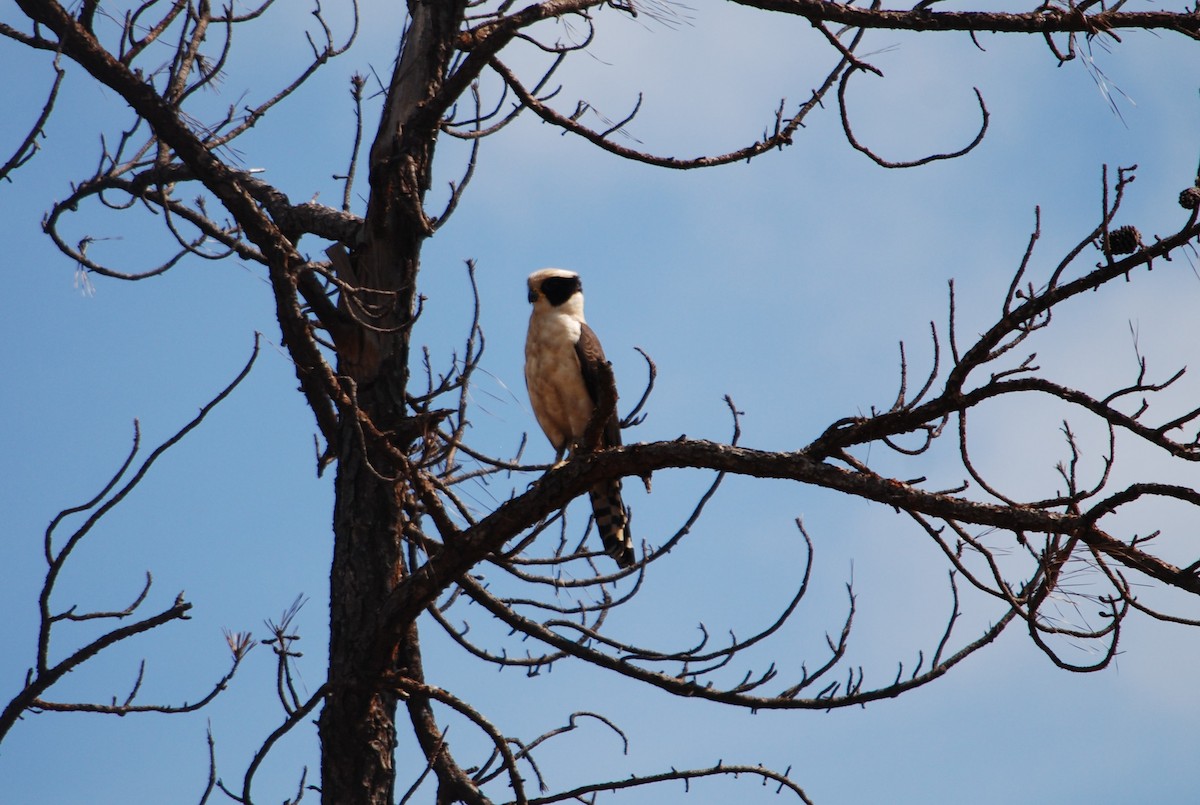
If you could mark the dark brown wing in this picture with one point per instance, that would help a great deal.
(591, 358)
(612, 518)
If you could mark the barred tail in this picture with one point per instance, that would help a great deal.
(612, 521)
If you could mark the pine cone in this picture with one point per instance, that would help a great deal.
(1189, 199)
(1124, 240)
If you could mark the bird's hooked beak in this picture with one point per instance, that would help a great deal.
(533, 295)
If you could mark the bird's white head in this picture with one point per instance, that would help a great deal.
(556, 289)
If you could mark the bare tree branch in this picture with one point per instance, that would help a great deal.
(29, 146)
(421, 510)
(1043, 19)
(46, 673)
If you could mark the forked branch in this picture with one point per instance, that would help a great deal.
(47, 672)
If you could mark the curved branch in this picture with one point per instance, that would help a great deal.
(411, 687)
(785, 128)
(685, 775)
(30, 695)
(884, 163)
(283, 729)
(786, 700)
(29, 146)
(45, 674)
(227, 184)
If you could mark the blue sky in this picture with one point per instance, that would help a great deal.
(785, 283)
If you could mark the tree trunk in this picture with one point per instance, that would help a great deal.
(357, 726)
(373, 505)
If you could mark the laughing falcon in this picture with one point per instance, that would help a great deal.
(562, 361)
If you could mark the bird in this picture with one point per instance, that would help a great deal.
(564, 369)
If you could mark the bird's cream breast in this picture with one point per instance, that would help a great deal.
(559, 397)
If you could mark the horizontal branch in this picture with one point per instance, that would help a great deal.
(293, 219)
(738, 696)
(558, 487)
(44, 681)
(955, 397)
(784, 129)
(1044, 19)
(587, 793)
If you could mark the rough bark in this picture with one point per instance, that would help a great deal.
(373, 503)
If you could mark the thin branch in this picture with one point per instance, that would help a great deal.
(885, 163)
(29, 146)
